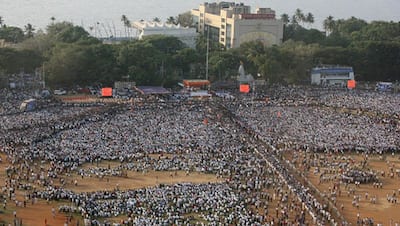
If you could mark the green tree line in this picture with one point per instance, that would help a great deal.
(69, 55)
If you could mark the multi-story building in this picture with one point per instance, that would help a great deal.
(232, 24)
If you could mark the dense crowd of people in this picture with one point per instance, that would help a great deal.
(213, 146)
(10, 100)
(303, 120)
(239, 139)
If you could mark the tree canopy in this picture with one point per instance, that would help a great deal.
(71, 56)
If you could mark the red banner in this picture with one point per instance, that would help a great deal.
(106, 92)
(244, 88)
(351, 84)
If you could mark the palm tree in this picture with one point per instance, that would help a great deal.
(29, 30)
(285, 18)
(299, 15)
(309, 18)
(1, 21)
(171, 20)
(128, 26)
(185, 19)
(124, 19)
(329, 24)
(156, 19)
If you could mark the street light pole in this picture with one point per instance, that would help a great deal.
(208, 45)
(43, 75)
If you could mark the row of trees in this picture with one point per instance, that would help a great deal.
(70, 56)
(15, 34)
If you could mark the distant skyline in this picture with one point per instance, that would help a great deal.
(108, 13)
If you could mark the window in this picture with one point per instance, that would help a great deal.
(222, 39)
(222, 33)
(222, 26)
(223, 20)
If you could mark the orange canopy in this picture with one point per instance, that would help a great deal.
(195, 83)
(351, 84)
(244, 88)
(106, 92)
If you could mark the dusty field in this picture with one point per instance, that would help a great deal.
(38, 213)
(382, 211)
(41, 212)
(133, 180)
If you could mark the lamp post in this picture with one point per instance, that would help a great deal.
(208, 45)
(44, 77)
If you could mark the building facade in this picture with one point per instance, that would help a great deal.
(185, 34)
(232, 24)
(331, 75)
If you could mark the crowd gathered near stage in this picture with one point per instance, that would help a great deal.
(240, 140)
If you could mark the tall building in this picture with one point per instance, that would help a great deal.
(232, 24)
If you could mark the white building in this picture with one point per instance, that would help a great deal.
(331, 75)
(232, 24)
(185, 34)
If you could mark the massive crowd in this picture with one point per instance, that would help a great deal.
(213, 145)
(10, 100)
(325, 119)
(227, 139)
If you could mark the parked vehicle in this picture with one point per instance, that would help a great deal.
(384, 86)
(60, 92)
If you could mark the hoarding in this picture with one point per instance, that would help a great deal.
(106, 92)
(244, 88)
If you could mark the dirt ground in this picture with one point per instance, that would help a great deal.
(382, 211)
(36, 214)
(136, 180)
(41, 212)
